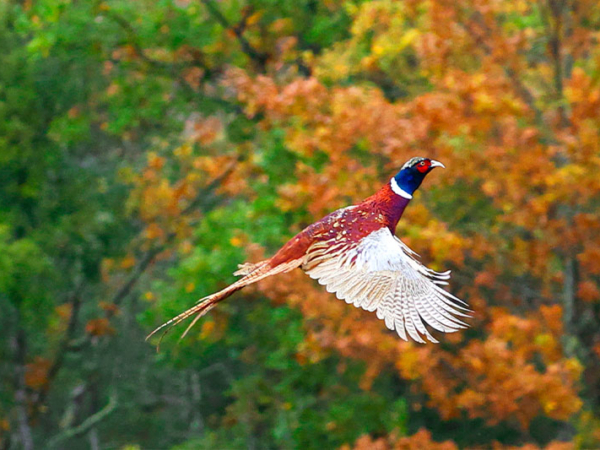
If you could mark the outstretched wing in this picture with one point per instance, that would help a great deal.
(379, 273)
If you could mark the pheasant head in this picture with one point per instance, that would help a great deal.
(412, 174)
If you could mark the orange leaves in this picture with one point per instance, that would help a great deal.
(505, 383)
(583, 94)
(411, 362)
(128, 262)
(36, 373)
(109, 308)
(456, 81)
(155, 162)
(590, 258)
(420, 440)
(165, 191)
(99, 327)
(203, 130)
(154, 231)
(215, 328)
(588, 291)
(193, 77)
(485, 279)
(64, 311)
(493, 378)
(329, 120)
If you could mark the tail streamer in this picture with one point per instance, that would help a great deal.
(205, 304)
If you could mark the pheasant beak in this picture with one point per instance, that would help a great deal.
(435, 163)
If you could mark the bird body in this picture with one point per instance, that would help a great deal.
(353, 252)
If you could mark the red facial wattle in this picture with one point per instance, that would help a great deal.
(424, 166)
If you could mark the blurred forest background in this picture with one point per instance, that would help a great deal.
(147, 147)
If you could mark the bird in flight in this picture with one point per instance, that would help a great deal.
(354, 253)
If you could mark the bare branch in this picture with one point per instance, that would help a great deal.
(150, 255)
(24, 429)
(87, 424)
(238, 30)
(133, 39)
(63, 349)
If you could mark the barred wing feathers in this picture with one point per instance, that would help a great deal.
(380, 273)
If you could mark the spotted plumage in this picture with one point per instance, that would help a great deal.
(354, 253)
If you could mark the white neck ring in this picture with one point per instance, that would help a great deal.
(398, 190)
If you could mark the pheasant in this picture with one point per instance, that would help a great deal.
(354, 253)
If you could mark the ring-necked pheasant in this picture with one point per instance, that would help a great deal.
(353, 252)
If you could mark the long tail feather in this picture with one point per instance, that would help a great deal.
(204, 305)
(201, 308)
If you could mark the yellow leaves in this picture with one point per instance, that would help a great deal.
(36, 373)
(408, 38)
(154, 231)
(501, 364)
(64, 311)
(483, 102)
(207, 329)
(239, 240)
(578, 85)
(128, 262)
(386, 29)
(474, 123)
(394, 42)
(490, 187)
(310, 350)
(409, 364)
(549, 406)
(588, 427)
(376, 15)
(474, 119)
(427, 234)
(574, 368)
(215, 329)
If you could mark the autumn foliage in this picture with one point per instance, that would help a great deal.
(513, 214)
(182, 138)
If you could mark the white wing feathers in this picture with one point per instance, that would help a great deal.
(380, 274)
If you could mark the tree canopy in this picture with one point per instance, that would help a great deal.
(148, 147)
